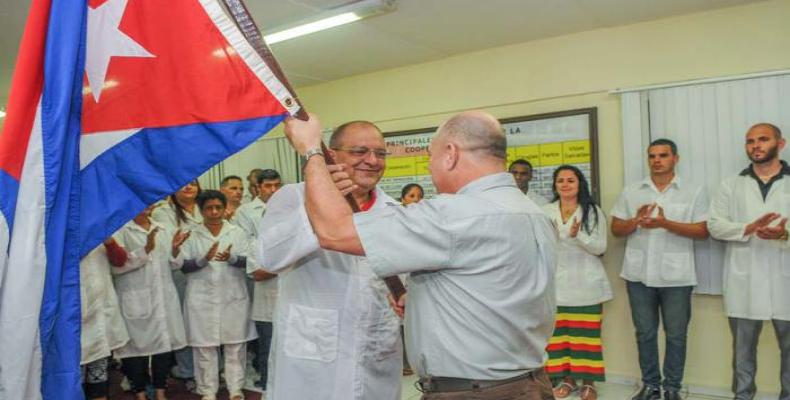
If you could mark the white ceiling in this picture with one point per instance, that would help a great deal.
(417, 31)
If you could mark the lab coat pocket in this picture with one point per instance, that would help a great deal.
(136, 304)
(383, 339)
(634, 260)
(740, 261)
(676, 267)
(311, 333)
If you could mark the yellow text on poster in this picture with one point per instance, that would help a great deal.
(551, 154)
(577, 152)
(401, 166)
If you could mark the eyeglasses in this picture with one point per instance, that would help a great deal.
(361, 152)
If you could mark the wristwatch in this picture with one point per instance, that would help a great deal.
(315, 151)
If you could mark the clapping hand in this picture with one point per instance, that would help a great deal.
(648, 222)
(178, 239)
(773, 232)
(150, 240)
(575, 228)
(223, 255)
(761, 223)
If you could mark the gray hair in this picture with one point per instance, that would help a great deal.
(476, 131)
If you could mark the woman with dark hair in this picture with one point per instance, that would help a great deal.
(581, 284)
(180, 210)
(411, 193)
(181, 213)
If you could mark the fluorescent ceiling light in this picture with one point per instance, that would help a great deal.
(332, 18)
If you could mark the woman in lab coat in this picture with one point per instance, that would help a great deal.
(216, 305)
(103, 329)
(149, 302)
(181, 212)
(581, 286)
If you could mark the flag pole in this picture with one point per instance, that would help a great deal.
(241, 16)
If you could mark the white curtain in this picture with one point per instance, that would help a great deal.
(708, 122)
(273, 153)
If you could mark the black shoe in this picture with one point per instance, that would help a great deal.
(647, 393)
(672, 395)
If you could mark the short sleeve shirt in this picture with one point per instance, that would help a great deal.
(481, 293)
(658, 257)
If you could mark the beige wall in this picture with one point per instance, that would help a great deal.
(576, 71)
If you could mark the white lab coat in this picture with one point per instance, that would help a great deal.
(264, 292)
(335, 336)
(580, 277)
(216, 303)
(147, 296)
(756, 271)
(103, 329)
(165, 215)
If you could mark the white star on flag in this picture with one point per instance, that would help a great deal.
(105, 40)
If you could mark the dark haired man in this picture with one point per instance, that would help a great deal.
(233, 189)
(750, 213)
(216, 304)
(660, 217)
(264, 290)
(522, 170)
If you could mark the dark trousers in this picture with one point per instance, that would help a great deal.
(745, 335)
(136, 369)
(264, 329)
(535, 387)
(673, 306)
(97, 382)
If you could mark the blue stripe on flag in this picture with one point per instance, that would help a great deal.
(10, 188)
(153, 163)
(59, 321)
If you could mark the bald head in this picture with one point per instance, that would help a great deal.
(475, 131)
(765, 125)
(340, 132)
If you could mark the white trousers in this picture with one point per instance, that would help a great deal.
(207, 369)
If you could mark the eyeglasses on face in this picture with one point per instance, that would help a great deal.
(361, 152)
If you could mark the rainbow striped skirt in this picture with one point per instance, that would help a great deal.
(575, 349)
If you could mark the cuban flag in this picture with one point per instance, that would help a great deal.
(114, 104)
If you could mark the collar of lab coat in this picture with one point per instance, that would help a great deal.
(202, 230)
(134, 226)
(749, 171)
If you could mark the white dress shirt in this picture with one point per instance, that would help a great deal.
(658, 257)
(481, 300)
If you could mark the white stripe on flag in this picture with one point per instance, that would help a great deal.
(254, 61)
(94, 144)
(23, 283)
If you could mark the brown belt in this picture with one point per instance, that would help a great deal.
(441, 384)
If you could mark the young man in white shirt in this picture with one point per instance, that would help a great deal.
(264, 290)
(660, 217)
(750, 213)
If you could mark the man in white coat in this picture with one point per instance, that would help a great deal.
(335, 337)
(264, 290)
(750, 213)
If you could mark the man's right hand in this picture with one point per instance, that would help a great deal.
(341, 178)
(760, 223)
(400, 306)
